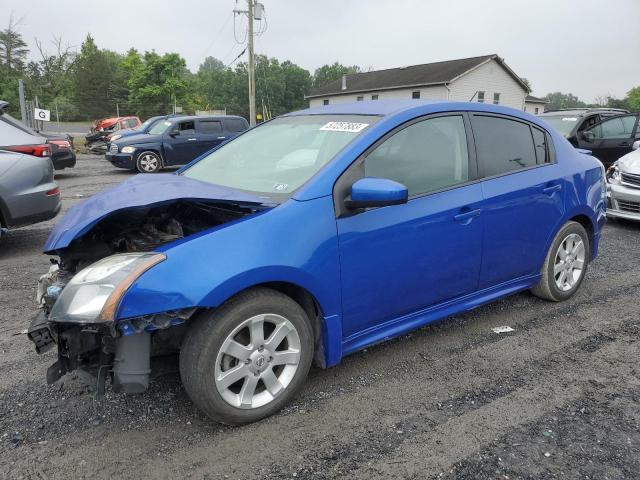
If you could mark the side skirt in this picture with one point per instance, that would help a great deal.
(401, 325)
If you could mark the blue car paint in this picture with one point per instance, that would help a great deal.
(385, 272)
(378, 189)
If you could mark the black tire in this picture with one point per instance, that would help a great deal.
(547, 287)
(205, 337)
(148, 162)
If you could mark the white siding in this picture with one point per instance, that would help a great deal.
(489, 78)
(437, 92)
(530, 107)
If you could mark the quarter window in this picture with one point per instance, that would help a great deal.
(426, 156)
(502, 145)
(235, 125)
(540, 144)
(481, 97)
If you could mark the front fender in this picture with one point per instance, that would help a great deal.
(295, 242)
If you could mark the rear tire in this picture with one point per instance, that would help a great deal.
(148, 162)
(261, 341)
(566, 264)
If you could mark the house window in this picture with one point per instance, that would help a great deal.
(481, 97)
(415, 94)
(496, 99)
(325, 101)
(536, 110)
(360, 98)
(374, 97)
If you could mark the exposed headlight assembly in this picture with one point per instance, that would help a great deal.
(115, 137)
(93, 294)
(613, 174)
(128, 149)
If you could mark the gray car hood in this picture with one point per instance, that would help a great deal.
(630, 163)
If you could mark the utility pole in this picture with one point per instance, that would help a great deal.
(23, 106)
(252, 68)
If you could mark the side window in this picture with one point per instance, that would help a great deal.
(187, 128)
(540, 144)
(426, 156)
(617, 127)
(234, 125)
(502, 145)
(210, 126)
(131, 123)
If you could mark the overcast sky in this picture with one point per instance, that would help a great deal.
(586, 47)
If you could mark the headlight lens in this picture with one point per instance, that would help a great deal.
(94, 293)
(613, 174)
(115, 137)
(128, 149)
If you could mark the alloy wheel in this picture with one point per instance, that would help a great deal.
(257, 361)
(569, 263)
(149, 163)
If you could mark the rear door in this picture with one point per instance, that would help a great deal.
(523, 197)
(610, 139)
(210, 133)
(179, 143)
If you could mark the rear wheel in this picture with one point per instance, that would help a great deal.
(566, 264)
(148, 162)
(247, 359)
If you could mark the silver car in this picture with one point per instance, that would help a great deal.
(623, 186)
(28, 193)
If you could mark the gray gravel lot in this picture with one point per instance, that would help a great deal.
(557, 398)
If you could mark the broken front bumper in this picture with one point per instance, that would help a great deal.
(623, 202)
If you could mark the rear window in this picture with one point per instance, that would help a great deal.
(235, 125)
(502, 145)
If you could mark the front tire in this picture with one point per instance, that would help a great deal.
(566, 264)
(148, 162)
(245, 360)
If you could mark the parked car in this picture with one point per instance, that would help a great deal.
(144, 127)
(18, 137)
(569, 122)
(311, 237)
(28, 193)
(96, 139)
(612, 138)
(623, 186)
(174, 141)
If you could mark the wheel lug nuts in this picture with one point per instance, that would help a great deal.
(247, 361)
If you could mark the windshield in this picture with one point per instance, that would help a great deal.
(280, 156)
(145, 124)
(159, 128)
(564, 124)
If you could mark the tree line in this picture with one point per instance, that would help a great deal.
(95, 82)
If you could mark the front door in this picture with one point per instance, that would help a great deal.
(523, 197)
(610, 139)
(179, 143)
(399, 259)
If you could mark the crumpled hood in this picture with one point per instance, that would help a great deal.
(139, 191)
(630, 163)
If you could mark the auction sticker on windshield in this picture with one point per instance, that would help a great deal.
(344, 127)
(569, 119)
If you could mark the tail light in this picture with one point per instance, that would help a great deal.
(35, 150)
(53, 191)
(62, 144)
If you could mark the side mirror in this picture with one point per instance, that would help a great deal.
(174, 133)
(588, 136)
(636, 145)
(376, 192)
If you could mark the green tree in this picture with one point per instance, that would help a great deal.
(13, 49)
(328, 73)
(558, 100)
(633, 99)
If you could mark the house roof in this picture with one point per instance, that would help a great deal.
(532, 99)
(437, 73)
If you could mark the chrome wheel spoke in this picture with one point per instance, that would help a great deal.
(578, 264)
(256, 330)
(231, 376)
(271, 382)
(248, 390)
(278, 335)
(286, 357)
(570, 262)
(558, 268)
(562, 279)
(237, 350)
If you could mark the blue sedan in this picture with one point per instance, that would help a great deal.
(313, 236)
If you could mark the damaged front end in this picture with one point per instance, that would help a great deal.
(80, 295)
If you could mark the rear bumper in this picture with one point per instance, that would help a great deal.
(63, 160)
(121, 160)
(623, 202)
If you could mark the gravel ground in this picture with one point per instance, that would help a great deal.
(558, 397)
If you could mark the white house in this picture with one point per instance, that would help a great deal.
(534, 105)
(478, 79)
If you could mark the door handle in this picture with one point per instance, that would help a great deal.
(624, 144)
(552, 189)
(221, 138)
(191, 139)
(465, 218)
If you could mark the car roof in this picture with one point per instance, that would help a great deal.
(203, 117)
(583, 111)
